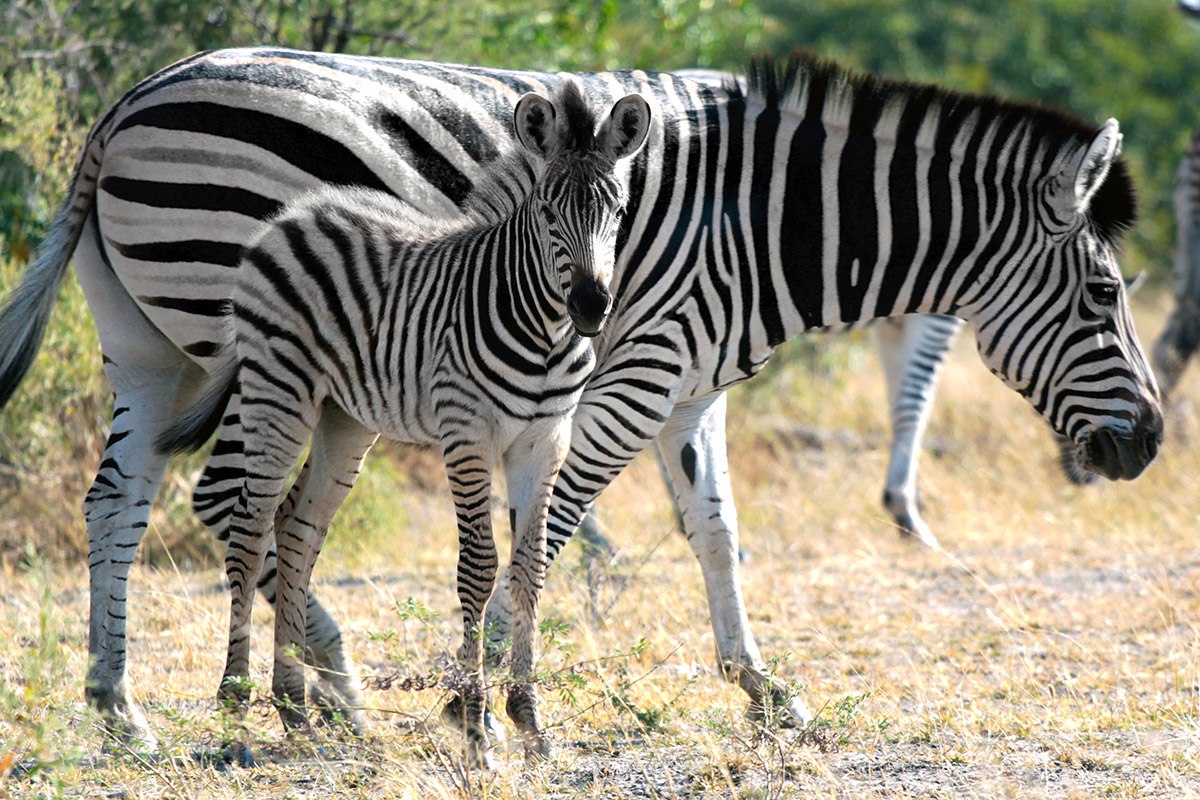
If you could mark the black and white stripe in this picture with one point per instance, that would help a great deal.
(813, 197)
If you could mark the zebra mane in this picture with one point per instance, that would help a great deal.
(505, 182)
(864, 96)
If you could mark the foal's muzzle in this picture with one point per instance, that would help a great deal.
(588, 305)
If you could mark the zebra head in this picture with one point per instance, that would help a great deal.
(1056, 325)
(580, 197)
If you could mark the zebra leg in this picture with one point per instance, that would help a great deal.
(692, 444)
(912, 350)
(339, 446)
(273, 443)
(340, 692)
(1181, 336)
(117, 511)
(531, 465)
(149, 377)
(1177, 343)
(469, 469)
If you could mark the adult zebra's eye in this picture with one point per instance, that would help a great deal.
(1103, 293)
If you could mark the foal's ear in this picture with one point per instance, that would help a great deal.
(534, 122)
(624, 132)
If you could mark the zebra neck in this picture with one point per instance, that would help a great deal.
(858, 226)
(515, 283)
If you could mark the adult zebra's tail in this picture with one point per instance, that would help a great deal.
(26, 311)
(189, 433)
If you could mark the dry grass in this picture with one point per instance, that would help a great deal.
(1051, 651)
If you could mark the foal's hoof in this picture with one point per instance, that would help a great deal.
(332, 713)
(452, 717)
(537, 747)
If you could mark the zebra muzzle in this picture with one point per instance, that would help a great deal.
(588, 305)
(1119, 455)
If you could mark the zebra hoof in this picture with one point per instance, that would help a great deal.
(336, 715)
(782, 711)
(481, 758)
(126, 729)
(452, 717)
(537, 748)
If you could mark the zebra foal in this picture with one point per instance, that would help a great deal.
(356, 315)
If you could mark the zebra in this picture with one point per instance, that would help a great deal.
(1177, 342)
(898, 198)
(355, 315)
(912, 349)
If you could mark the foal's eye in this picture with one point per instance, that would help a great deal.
(1104, 293)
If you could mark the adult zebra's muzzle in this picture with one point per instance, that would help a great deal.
(588, 305)
(1120, 454)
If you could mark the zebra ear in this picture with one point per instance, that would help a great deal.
(534, 123)
(624, 132)
(1092, 167)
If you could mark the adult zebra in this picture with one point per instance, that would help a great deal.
(1180, 337)
(814, 197)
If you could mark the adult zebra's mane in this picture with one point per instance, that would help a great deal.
(1113, 208)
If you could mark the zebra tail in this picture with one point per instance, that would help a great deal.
(189, 432)
(26, 311)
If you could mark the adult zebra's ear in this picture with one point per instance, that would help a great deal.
(1087, 172)
(625, 130)
(534, 122)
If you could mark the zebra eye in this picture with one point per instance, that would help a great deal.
(1103, 294)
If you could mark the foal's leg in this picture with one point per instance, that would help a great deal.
(339, 445)
(531, 465)
(213, 501)
(274, 440)
(469, 464)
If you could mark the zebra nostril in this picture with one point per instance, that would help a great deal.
(1150, 442)
(589, 300)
